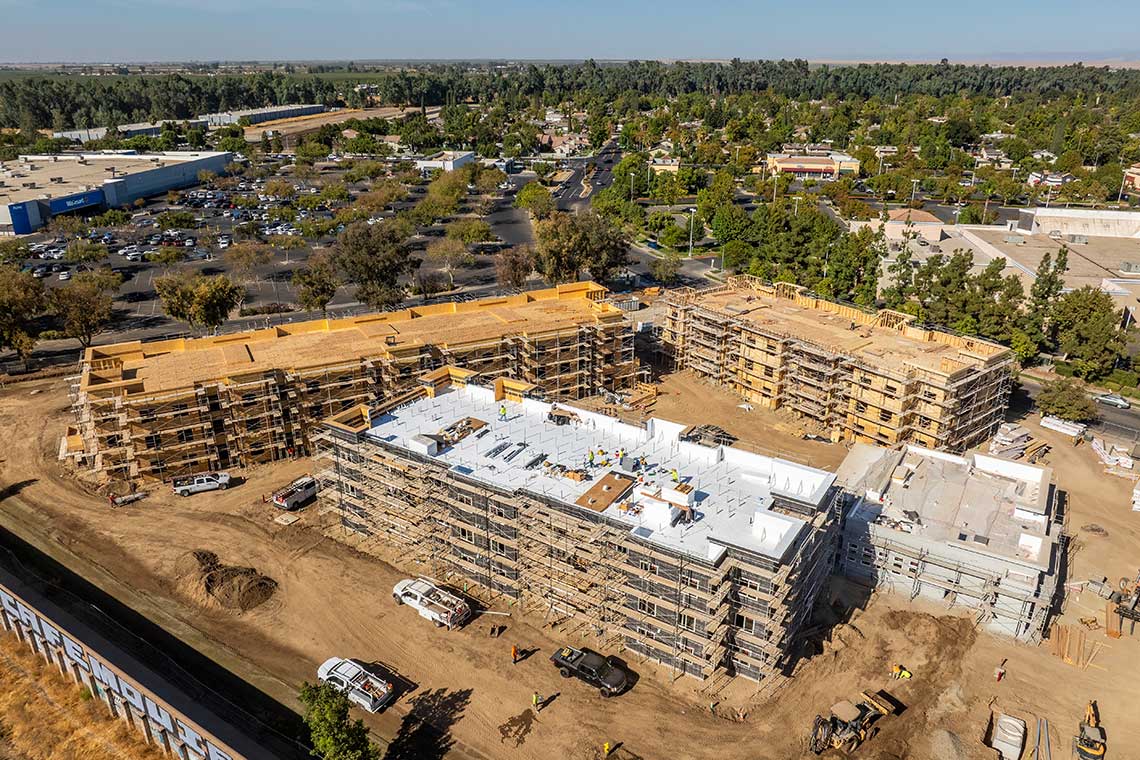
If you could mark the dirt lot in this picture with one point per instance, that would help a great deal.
(313, 122)
(467, 700)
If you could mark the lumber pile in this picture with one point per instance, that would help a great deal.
(1070, 645)
(1014, 442)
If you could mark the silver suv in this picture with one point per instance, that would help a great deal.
(210, 481)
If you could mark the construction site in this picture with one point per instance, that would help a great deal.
(330, 582)
(704, 558)
(169, 408)
(862, 376)
(975, 531)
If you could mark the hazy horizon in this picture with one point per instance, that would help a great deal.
(824, 31)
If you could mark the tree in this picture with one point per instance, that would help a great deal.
(316, 284)
(176, 220)
(514, 265)
(901, 272)
(1067, 399)
(449, 253)
(334, 735)
(84, 252)
(536, 199)
(199, 301)
(1088, 331)
(374, 258)
(21, 299)
(84, 306)
(205, 176)
(673, 236)
(666, 268)
(730, 222)
(281, 188)
(13, 251)
(1043, 294)
(469, 231)
(569, 242)
(244, 259)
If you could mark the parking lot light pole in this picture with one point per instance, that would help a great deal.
(691, 212)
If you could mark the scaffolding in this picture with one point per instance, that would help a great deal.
(578, 570)
(863, 376)
(172, 408)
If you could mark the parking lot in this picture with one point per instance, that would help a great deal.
(141, 252)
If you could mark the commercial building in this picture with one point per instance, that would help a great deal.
(1059, 222)
(973, 530)
(905, 223)
(253, 116)
(1132, 178)
(862, 376)
(172, 407)
(445, 160)
(144, 129)
(831, 165)
(707, 559)
(35, 188)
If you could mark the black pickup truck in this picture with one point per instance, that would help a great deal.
(592, 668)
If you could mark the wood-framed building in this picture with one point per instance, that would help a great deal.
(863, 376)
(173, 407)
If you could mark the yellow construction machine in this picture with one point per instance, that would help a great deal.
(850, 724)
(1089, 744)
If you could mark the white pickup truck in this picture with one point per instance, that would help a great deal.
(432, 602)
(208, 481)
(362, 688)
(297, 493)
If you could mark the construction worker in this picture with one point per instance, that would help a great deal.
(502, 411)
(898, 671)
(606, 749)
(591, 457)
(514, 654)
(537, 701)
(676, 475)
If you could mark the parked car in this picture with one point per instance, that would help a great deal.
(298, 493)
(210, 481)
(432, 602)
(591, 667)
(64, 274)
(362, 688)
(1113, 399)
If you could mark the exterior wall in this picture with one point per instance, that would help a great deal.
(740, 616)
(260, 115)
(1011, 598)
(108, 679)
(183, 173)
(853, 399)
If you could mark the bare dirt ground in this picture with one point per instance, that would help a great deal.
(465, 698)
(313, 122)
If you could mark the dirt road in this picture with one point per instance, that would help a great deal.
(466, 699)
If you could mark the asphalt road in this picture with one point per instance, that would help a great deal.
(1111, 415)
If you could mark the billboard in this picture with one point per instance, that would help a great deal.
(77, 201)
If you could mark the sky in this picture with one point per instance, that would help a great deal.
(823, 30)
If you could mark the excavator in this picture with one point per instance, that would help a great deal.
(850, 724)
(1089, 744)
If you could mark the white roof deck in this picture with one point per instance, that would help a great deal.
(979, 504)
(729, 492)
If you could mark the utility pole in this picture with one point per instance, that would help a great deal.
(1123, 176)
(913, 189)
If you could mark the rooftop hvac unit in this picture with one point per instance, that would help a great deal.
(1077, 239)
(1131, 267)
(29, 185)
(56, 180)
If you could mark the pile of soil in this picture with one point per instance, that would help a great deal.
(231, 587)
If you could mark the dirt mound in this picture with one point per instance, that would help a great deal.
(229, 586)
